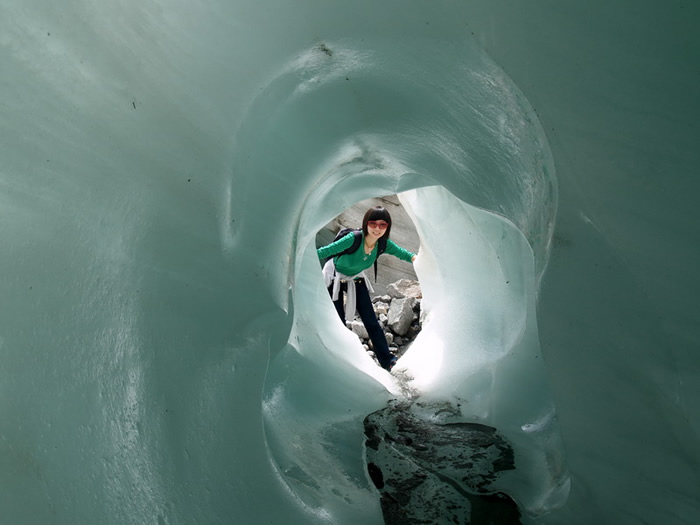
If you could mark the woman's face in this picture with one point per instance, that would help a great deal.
(376, 229)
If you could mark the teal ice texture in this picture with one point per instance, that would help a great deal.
(168, 353)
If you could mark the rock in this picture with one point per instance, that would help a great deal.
(428, 471)
(401, 315)
(358, 328)
(398, 317)
(380, 307)
(404, 288)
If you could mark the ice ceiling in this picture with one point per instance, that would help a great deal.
(167, 354)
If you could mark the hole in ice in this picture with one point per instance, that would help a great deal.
(475, 139)
(476, 351)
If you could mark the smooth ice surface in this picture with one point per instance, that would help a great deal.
(481, 355)
(165, 166)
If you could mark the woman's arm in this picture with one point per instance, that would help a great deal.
(394, 249)
(335, 247)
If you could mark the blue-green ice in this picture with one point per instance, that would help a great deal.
(168, 354)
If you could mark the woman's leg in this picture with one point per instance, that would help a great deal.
(339, 306)
(374, 329)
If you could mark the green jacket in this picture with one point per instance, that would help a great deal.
(354, 263)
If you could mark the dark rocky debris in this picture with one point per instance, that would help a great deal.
(431, 469)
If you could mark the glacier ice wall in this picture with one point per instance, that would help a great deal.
(164, 166)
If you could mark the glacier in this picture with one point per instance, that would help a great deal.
(167, 351)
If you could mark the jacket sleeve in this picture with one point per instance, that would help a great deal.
(335, 247)
(394, 249)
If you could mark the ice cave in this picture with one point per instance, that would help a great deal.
(168, 352)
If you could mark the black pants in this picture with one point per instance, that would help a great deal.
(369, 319)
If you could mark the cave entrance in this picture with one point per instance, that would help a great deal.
(439, 129)
(478, 349)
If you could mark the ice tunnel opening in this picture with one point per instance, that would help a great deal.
(471, 165)
(471, 230)
(477, 273)
(478, 350)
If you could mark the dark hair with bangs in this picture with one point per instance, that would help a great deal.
(377, 214)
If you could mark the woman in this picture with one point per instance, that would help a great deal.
(345, 272)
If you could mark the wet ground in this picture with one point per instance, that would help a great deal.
(432, 469)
